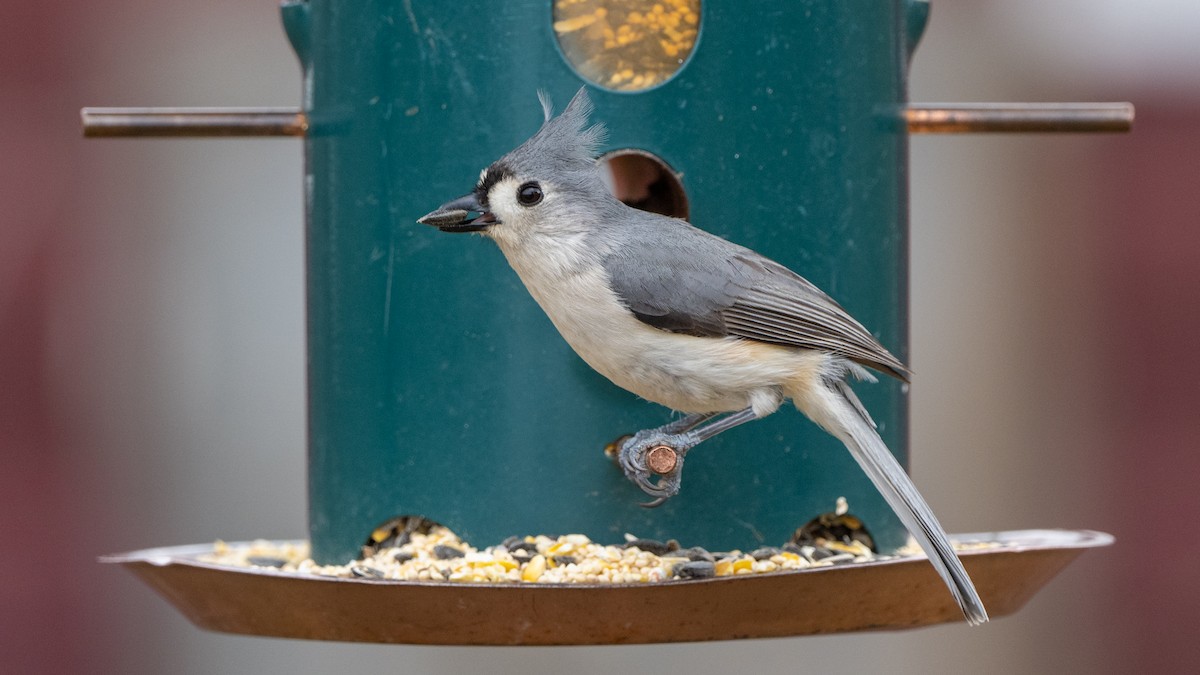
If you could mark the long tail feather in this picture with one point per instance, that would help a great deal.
(846, 419)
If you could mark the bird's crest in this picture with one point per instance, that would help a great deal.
(564, 143)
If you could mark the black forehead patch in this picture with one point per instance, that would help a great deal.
(495, 173)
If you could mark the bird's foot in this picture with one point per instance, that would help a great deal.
(653, 453)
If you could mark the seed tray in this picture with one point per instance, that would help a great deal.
(891, 594)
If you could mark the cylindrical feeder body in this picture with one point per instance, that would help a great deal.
(437, 387)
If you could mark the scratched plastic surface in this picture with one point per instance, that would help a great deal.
(437, 386)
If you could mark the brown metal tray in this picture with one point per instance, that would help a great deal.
(884, 595)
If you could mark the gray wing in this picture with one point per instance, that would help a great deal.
(677, 278)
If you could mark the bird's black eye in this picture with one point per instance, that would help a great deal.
(529, 194)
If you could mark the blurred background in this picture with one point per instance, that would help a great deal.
(152, 356)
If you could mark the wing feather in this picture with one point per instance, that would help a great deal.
(681, 279)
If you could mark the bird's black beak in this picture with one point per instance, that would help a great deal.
(456, 216)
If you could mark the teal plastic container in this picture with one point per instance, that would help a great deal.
(436, 385)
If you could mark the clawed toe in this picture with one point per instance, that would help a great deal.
(645, 456)
(667, 487)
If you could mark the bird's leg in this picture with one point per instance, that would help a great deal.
(685, 423)
(637, 453)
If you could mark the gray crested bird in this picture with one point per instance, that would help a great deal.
(684, 318)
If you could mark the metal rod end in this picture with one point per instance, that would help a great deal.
(192, 122)
(935, 118)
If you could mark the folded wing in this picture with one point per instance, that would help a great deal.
(677, 278)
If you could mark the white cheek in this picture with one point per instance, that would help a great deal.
(502, 201)
(515, 220)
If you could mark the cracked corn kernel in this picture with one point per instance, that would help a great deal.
(534, 569)
(576, 23)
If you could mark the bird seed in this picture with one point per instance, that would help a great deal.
(438, 555)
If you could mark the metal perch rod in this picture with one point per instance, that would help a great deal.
(193, 122)
(939, 118)
(921, 118)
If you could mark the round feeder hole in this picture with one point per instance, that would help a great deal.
(836, 526)
(395, 533)
(643, 181)
(626, 45)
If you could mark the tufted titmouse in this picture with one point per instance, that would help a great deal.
(684, 318)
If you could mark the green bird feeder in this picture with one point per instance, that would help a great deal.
(436, 386)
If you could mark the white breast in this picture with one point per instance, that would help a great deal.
(682, 372)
